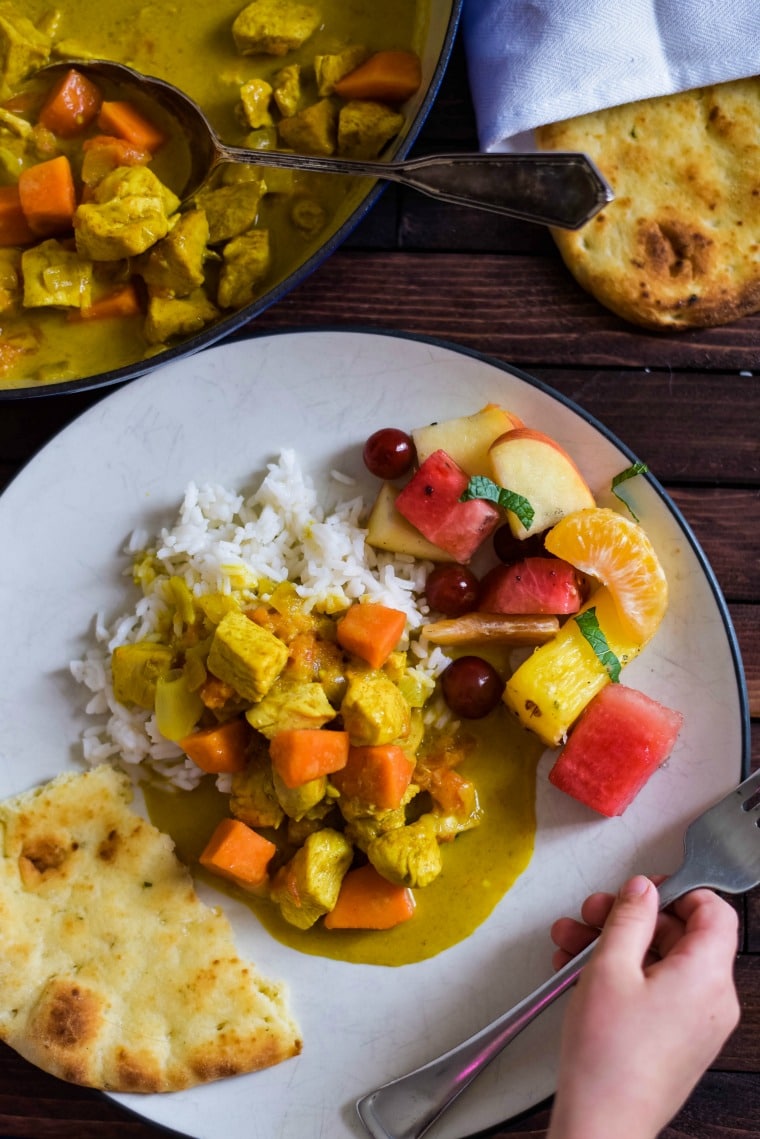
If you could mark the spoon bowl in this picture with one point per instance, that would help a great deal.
(559, 189)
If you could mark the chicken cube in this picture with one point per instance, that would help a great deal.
(274, 27)
(286, 89)
(178, 316)
(291, 704)
(255, 98)
(364, 823)
(304, 800)
(174, 266)
(328, 69)
(312, 130)
(55, 277)
(364, 127)
(135, 669)
(230, 209)
(298, 830)
(252, 795)
(374, 710)
(308, 886)
(246, 656)
(462, 811)
(129, 213)
(245, 263)
(23, 48)
(409, 856)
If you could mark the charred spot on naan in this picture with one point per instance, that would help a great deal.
(678, 246)
(64, 1024)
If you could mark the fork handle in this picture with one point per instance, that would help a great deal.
(407, 1107)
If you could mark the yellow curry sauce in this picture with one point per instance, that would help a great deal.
(191, 45)
(479, 866)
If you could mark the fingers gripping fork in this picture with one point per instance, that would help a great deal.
(721, 851)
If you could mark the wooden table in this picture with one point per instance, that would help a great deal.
(688, 404)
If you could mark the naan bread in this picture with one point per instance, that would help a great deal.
(678, 247)
(113, 973)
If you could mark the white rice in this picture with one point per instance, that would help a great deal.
(223, 541)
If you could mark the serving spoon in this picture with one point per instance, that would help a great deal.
(562, 189)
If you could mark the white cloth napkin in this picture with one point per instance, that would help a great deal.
(537, 61)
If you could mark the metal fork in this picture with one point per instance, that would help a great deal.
(721, 850)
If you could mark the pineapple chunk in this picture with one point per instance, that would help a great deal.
(551, 688)
(466, 440)
(388, 530)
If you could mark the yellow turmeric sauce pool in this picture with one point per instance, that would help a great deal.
(479, 866)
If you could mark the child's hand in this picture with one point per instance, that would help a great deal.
(650, 1011)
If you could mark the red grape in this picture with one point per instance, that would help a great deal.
(471, 687)
(509, 549)
(389, 453)
(452, 590)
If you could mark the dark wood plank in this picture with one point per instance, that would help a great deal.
(34, 1105)
(741, 1052)
(690, 428)
(726, 523)
(524, 308)
(680, 423)
(723, 1106)
(745, 619)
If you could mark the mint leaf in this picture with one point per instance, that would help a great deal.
(628, 473)
(589, 626)
(480, 486)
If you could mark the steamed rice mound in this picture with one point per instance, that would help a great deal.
(227, 542)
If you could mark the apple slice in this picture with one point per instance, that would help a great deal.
(533, 465)
(389, 530)
(430, 501)
(467, 439)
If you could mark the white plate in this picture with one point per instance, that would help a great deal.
(219, 416)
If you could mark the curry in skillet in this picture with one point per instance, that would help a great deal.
(101, 263)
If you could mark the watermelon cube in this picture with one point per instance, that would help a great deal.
(532, 585)
(620, 739)
(430, 502)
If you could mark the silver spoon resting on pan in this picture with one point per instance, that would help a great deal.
(563, 189)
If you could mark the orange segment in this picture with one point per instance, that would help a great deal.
(616, 551)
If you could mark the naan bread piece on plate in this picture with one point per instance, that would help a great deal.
(113, 973)
(678, 247)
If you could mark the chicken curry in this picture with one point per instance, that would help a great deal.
(337, 765)
(480, 867)
(129, 270)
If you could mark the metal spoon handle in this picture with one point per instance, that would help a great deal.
(557, 189)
